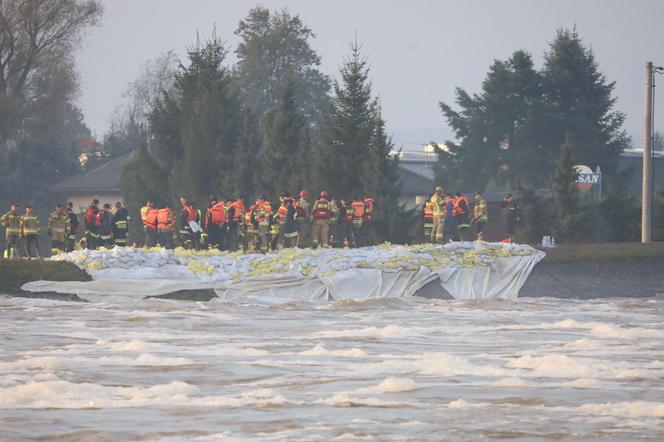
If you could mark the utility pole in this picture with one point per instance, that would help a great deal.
(646, 194)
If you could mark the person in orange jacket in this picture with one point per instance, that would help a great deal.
(235, 218)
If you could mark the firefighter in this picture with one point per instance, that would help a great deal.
(58, 222)
(72, 226)
(149, 241)
(11, 221)
(150, 226)
(438, 206)
(369, 234)
(120, 225)
(164, 226)
(290, 226)
(427, 213)
(249, 230)
(461, 216)
(105, 221)
(30, 231)
(200, 234)
(92, 229)
(320, 212)
(215, 223)
(262, 214)
(480, 216)
(281, 216)
(335, 214)
(358, 221)
(273, 239)
(346, 223)
(187, 222)
(303, 209)
(450, 227)
(511, 208)
(235, 218)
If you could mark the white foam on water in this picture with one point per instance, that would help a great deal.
(557, 365)
(64, 394)
(320, 350)
(346, 401)
(597, 329)
(315, 372)
(390, 385)
(133, 345)
(443, 364)
(637, 409)
(353, 436)
(462, 404)
(55, 363)
(582, 383)
(259, 398)
(613, 332)
(509, 383)
(389, 331)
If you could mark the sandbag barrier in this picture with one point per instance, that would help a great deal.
(464, 270)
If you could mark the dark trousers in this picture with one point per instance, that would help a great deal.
(92, 240)
(32, 245)
(214, 235)
(165, 238)
(70, 245)
(57, 246)
(151, 236)
(233, 237)
(450, 229)
(346, 234)
(11, 243)
(479, 229)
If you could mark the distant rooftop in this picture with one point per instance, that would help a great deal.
(102, 180)
(638, 152)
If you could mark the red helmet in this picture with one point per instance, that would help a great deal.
(323, 194)
(304, 193)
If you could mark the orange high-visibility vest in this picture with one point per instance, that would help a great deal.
(165, 218)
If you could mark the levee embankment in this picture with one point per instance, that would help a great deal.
(585, 271)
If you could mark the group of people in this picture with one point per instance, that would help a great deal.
(449, 217)
(62, 225)
(262, 226)
(259, 227)
(106, 226)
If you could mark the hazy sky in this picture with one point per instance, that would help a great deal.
(419, 50)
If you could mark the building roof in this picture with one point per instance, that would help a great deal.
(102, 180)
(414, 184)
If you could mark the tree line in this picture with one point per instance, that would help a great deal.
(526, 129)
(272, 123)
(41, 128)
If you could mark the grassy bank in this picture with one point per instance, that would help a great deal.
(603, 252)
(15, 273)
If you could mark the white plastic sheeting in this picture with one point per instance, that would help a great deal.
(462, 270)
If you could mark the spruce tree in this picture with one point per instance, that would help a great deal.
(283, 127)
(565, 194)
(142, 180)
(349, 128)
(381, 181)
(275, 50)
(196, 126)
(579, 101)
(246, 157)
(498, 129)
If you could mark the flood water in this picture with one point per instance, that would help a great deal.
(376, 369)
